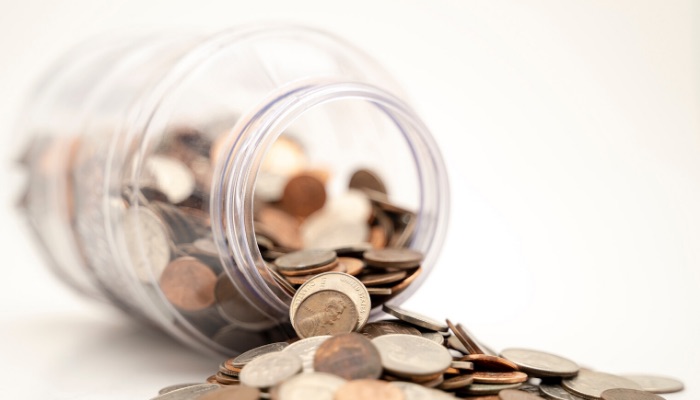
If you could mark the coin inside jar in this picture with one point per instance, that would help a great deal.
(400, 258)
(327, 312)
(188, 284)
(304, 260)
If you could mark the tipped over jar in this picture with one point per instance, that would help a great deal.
(167, 173)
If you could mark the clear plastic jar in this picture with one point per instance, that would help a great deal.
(150, 150)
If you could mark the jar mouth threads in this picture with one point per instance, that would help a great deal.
(233, 206)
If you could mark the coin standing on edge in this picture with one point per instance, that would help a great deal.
(414, 318)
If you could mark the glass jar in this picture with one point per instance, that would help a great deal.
(152, 158)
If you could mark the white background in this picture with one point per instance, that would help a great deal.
(571, 130)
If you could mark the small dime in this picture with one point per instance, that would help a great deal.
(232, 392)
(456, 382)
(414, 391)
(483, 362)
(366, 179)
(189, 392)
(511, 394)
(303, 260)
(349, 356)
(628, 394)
(499, 377)
(379, 328)
(656, 384)
(541, 364)
(411, 356)
(188, 284)
(414, 318)
(592, 384)
(270, 369)
(482, 389)
(340, 282)
(171, 388)
(252, 354)
(393, 258)
(327, 312)
(309, 386)
(368, 389)
(306, 350)
(556, 392)
(303, 195)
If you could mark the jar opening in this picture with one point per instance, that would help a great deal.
(380, 133)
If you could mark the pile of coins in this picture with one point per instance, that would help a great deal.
(410, 357)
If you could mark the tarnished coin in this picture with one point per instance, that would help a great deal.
(393, 258)
(349, 356)
(306, 350)
(235, 308)
(541, 364)
(340, 282)
(414, 391)
(379, 328)
(656, 384)
(366, 179)
(304, 260)
(556, 392)
(232, 392)
(383, 279)
(171, 388)
(465, 338)
(368, 389)
(188, 284)
(414, 318)
(592, 384)
(483, 389)
(483, 362)
(353, 266)
(327, 312)
(424, 358)
(252, 354)
(499, 377)
(303, 195)
(309, 386)
(510, 394)
(270, 369)
(188, 392)
(628, 394)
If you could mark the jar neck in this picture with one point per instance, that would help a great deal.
(233, 189)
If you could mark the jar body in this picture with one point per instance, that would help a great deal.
(151, 156)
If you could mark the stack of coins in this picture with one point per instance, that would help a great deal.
(409, 357)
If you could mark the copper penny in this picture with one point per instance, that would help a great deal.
(188, 284)
(466, 339)
(383, 279)
(303, 195)
(349, 356)
(366, 179)
(226, 379)
(353, 266)
(456, 382)
(379, 328)
(282, 227)
(232, 392)
(485, 362)
(628, 394)
(327, 312)
(368, 389)
(512, 394)
(499, 377)
(393, 258)
(398, 288)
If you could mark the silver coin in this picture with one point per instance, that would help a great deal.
(171, 388)
(310, 386)
(541, 364)
(484, 389)
(556, 392)
(147, 240)
(305, 259)
(434, 336)
(414, 391)
(252, 354)
(326, 231)
(415, 318)
(338, 281)
(171, 176)
(592, 384)
(629, 394)
(189, 392)
(306, 349)
(656, 384)
(424, 358)
(270, 369)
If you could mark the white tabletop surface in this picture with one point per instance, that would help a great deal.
(571, 131)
